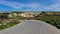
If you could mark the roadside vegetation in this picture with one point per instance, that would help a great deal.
(6, 22)
(52, 19)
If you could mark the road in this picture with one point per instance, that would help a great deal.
(31, 27)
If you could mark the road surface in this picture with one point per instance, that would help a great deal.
(31, 27)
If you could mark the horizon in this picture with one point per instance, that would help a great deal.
(30, 5)
(26, 11)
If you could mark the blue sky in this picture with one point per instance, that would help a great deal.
(29, 5)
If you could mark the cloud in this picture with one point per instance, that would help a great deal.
(16, 5)
(12, 4)
(32, 6)
(54, 7)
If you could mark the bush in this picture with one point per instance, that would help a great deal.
(53, 20)
(10, 24)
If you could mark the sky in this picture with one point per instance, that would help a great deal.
(29, 5)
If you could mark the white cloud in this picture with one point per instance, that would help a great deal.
(54, 7)
(12, 4)
(17, 5)
(32, 6)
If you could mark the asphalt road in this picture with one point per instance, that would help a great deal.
(31, 27)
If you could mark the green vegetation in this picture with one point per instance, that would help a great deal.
(10, 24)
(52, 19)
(6, 22)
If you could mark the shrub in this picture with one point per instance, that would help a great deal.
(53, 20)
